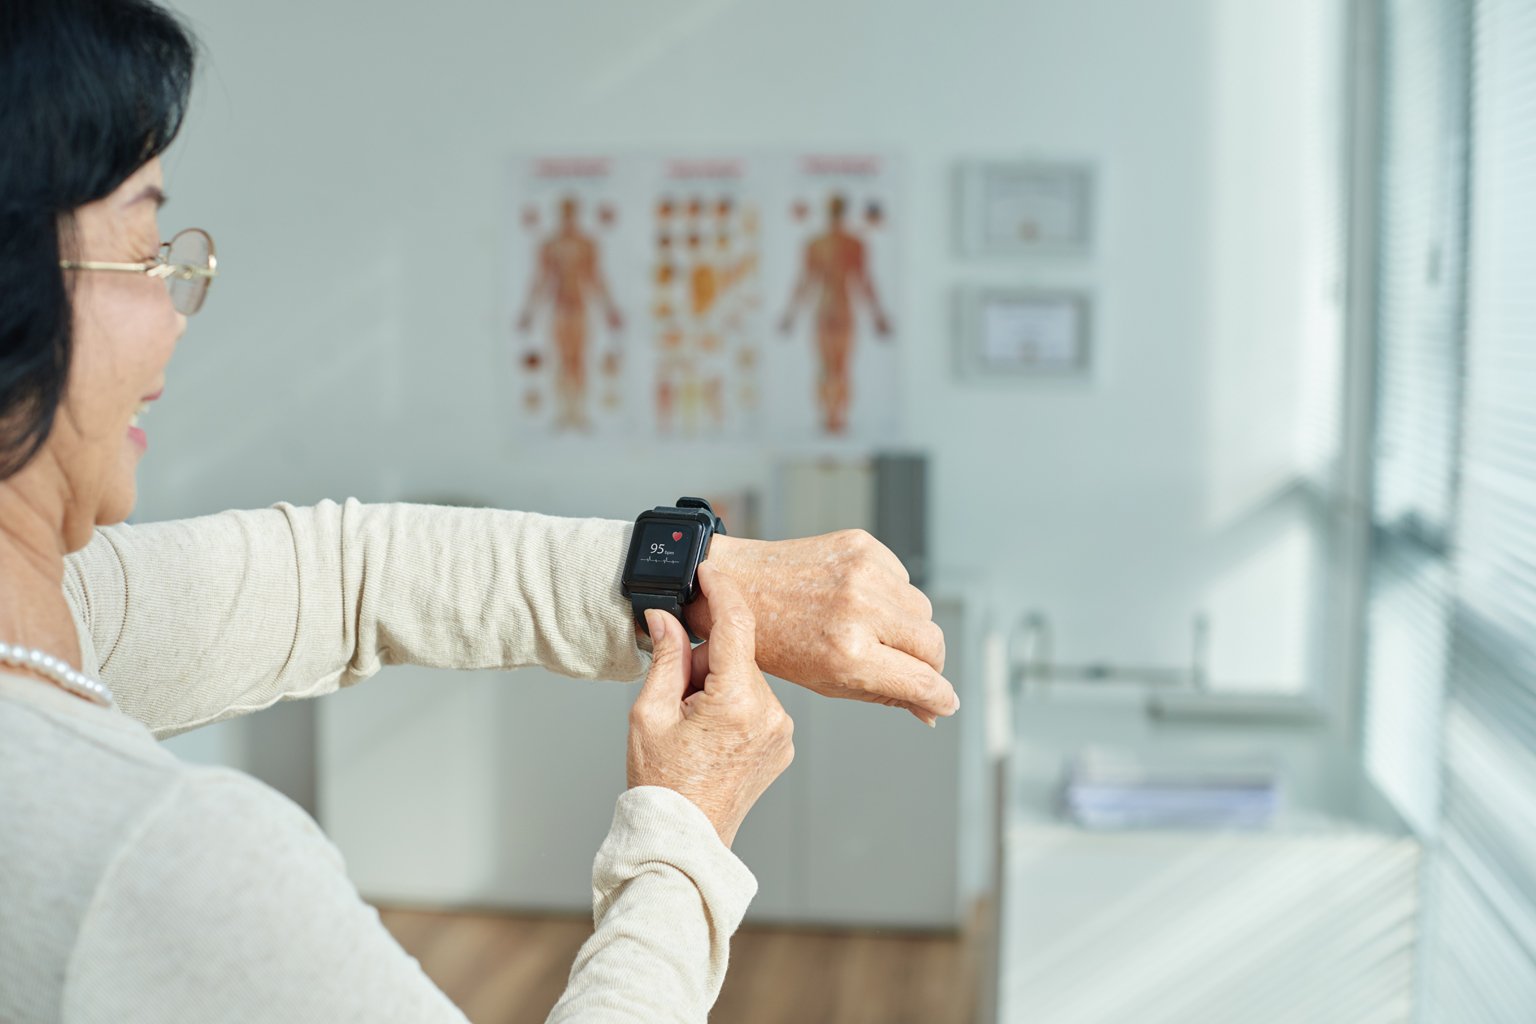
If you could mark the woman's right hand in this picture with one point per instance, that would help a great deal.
(706, 724)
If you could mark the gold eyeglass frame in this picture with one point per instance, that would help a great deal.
(162, 268)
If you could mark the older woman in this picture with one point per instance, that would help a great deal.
(134, 887)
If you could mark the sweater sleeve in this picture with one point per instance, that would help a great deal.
(193, 621)
(667, 895)
(228, 904)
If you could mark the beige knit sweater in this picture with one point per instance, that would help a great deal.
(135, 887)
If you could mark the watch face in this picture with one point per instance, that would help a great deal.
(664, 552)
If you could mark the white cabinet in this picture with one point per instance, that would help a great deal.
(1313, 919)
(1190, 928)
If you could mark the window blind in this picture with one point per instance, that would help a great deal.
(1482, 896)
(1421, 256)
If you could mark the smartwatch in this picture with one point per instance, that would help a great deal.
(665, 550)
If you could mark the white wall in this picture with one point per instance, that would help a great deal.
(349, 158)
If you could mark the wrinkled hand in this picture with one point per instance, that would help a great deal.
(706, 724)
(837, 614)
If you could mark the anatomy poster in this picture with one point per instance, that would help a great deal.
(570, 317)
(830, 275)
(732, 297)
(706, 303)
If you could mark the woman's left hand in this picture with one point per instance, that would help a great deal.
(838, 615)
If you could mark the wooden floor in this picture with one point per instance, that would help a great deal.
(503, 969)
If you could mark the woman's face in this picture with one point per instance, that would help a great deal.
(125, 330)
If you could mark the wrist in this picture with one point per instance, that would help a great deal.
(729, 554)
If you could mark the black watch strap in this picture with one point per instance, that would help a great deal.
(668, 603)
(700, 503)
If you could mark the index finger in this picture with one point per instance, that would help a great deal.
(897, 674)
(733, 631)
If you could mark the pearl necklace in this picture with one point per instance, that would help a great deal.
(58, 670)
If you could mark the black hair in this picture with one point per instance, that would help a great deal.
(90, 91)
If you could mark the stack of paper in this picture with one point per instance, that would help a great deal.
(1115, 789)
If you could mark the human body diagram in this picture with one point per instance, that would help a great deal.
(567, 277)
(835, 273)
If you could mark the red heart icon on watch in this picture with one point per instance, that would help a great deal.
(677, 535)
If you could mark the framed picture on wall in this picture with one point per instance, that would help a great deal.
(1011, 208)
(1024, 332)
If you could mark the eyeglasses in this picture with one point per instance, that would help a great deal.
(186, 264)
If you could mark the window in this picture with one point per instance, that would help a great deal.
(1451, 700)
